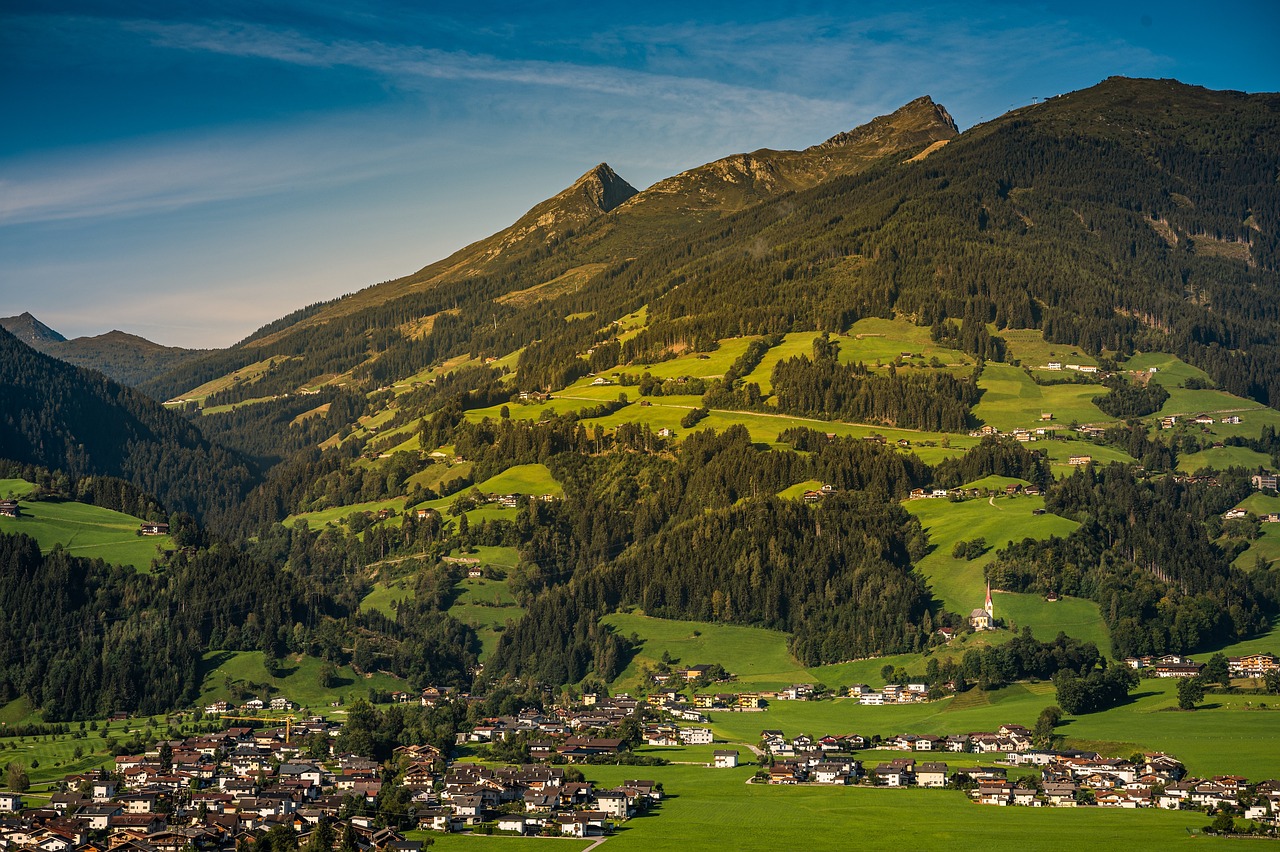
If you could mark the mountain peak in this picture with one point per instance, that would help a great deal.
(603, 187)
(923, 118)
(30, 330)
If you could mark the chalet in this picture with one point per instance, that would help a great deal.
(12, 802)
(9, 509)
(1185, 668)
(154, 529)
(1203, 420)
(916, 494)
(1234, 514)
(1077, 461)
(725, 759)
(1053, 365)
(748, 701)
(666, 432)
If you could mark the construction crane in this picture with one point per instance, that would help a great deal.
(288, 722)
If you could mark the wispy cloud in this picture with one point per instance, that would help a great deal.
(413, 66)
(164, 174)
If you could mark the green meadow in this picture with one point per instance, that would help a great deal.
(15, 488)
(486, 605)
(1221, 458)
(298, 679)
(88, 531)
(718, 809)
(1011, 400)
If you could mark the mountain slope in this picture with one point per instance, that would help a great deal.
(579, 235)
(30, 330)
(79, 421)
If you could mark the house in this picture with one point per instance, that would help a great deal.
(995, 793)
(12, 802)
(1077, 461)
(1053, 365)
(1264, 481)
(9, 509)
(154, 529)
(696, 736)
(725, 759)
(931, 774)
(666, 432)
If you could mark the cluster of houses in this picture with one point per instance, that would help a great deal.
(213, 792)
(893, 693)
(1079, 368)
(1066, 778)
(1013, 489)
(278, 704)
(1174, 665)
(532, 800)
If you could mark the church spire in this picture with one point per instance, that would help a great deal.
(990, 607)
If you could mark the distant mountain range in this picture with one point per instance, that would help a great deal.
(127, 358)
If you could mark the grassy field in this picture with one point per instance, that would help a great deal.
(874, 340)
(89, 531)
(716, 809)
(1029, 347)
(1011, 400)
(1221, 458)
(15, 488)
(1267, 547)
(486, 605)
(299, 680)
(335, 514)
(532, 479)
(959, 582)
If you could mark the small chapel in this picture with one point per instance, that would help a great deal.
(985, 618)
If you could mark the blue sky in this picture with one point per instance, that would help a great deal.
(190, 171)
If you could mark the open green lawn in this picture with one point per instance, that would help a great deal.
(1029, 347)
(15, 488)
(383, 595)
(89, 531)
(1267, 547)
(717, 809)
(795, 492)
(486, 605)
(700, 364)
(532, 479)
(994, 483)
(335, 514)
(874, 339)
(1011, 400)
(958, 582)
(793, 344)
(299, 680)
(1060, 453)
(758, 657)
(1221, 458)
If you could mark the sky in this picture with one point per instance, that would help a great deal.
(191, 171)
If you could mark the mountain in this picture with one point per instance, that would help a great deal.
(30, 330)
(127, 358)
(79, 421)
(554, 250)
(732, 183)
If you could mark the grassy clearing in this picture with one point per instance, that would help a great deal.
(883, 341)
(1011, 400)
(384, 595)
(486, 605)
(88, 531)
(15, 488)
(1029, 347)
(795, 492)
(1221, 458)
(960, 585)
(994, 483)
(1267, 547)
(245, 375)
(758, 657)
(721, 811)
(533, 479)
(224, 672)
(336, 514)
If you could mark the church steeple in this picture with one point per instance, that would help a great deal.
(990, 607)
